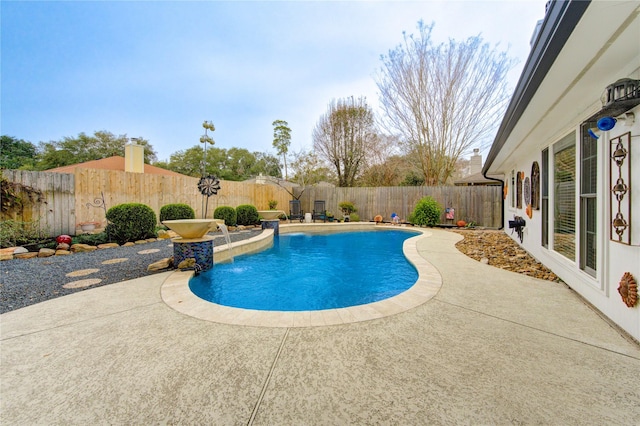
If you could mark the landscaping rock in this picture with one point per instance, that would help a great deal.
(128, 244)
(187, 263)
(29, 255)
(20, 250)
(163, 235)
(6, 256)
(497, 249)
(62, 246)
(81, 248)
(108, 245)
(60, 252)
(161, 264)
(46, 252)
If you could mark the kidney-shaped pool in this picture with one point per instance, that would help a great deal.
(307, 272)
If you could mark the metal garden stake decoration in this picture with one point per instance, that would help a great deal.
(208, 184)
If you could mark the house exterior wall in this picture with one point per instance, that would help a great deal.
(613, 259)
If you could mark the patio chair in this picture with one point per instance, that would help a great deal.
(319, 211)
(295, 211)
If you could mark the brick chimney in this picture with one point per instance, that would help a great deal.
(475, 162)
(133, 158)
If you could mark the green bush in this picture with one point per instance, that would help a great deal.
(247, 215)
(426, 213)
(347, 207)
(15, 233)
(91, 239)
(354, 217)
(227, 213)
(176, 211)
(131, 222)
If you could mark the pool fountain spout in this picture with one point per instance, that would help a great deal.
(225, 232)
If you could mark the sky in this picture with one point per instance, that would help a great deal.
(158, 69)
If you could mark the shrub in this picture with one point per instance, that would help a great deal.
(347, 207)
(91, 239)
(15, 233)
(247, 215)
(427, 212)
(131, 222)
(354, 217)
(227, 213)
(273, 204)
(176, 211)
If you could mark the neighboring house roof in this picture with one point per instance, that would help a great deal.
(112, 163)
(560, 21)
(478, 179)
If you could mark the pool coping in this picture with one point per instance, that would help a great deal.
(176, 294)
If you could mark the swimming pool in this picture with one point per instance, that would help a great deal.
(306, 272)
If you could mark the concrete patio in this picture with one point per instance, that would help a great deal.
(491, 347)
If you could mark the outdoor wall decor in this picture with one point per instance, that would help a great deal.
(505, 189)
(527, 197)
(535, 186)
(628, 290)
(519, 177)
(620, 184)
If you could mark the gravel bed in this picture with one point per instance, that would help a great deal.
(25, 282)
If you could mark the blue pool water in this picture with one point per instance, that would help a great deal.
(305, 272)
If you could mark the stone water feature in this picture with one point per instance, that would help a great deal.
(193, 242)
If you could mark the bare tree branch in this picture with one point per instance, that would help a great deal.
(442, 99)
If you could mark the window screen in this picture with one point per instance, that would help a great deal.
(564, 202)
(588, 199)
(544, 182)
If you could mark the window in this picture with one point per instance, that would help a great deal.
(519, 189)
(564, 200)
(588, 199)
(545, 198)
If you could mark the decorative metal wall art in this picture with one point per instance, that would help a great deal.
(535, 186)
(620, 184)
(519, 177)
(628, 290)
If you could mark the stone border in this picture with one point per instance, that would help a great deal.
(175, 290)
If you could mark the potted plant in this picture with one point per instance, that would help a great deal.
(273, 204)
(330, 216)
(88, 226)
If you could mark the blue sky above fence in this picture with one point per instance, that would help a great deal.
(159, 69)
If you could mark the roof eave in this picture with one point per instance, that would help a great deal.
(559, 22)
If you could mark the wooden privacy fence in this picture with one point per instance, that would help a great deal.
(480, 204)
(54, 209)
(69, 199)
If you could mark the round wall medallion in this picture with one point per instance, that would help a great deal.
(628, 290)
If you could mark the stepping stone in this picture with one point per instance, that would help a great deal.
(149, 251)
(112, 261)
(82, 272)
(82, 283)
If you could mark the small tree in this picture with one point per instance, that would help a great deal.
(347, 207)
(281, 141)
(343, 135)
